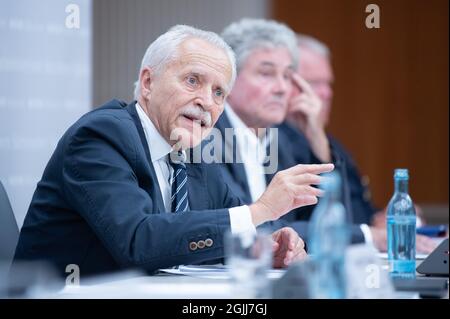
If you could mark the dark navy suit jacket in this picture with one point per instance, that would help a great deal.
(98, 204)
(357, 195)
(362, 207)
(291, 151)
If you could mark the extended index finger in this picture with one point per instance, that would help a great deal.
(311, 168)
(302, 84)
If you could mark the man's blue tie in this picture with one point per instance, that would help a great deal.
(179, 199)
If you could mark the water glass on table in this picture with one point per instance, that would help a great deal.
(249, 257)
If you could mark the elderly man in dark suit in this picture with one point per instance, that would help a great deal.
(118, 193)
(268, 59)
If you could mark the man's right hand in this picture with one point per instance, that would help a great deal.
(288, 190)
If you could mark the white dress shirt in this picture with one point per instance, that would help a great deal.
(252, 150)
(240, 217)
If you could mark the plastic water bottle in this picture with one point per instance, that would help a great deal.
(329, 237)
(401, 229)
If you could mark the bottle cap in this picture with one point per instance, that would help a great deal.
(401, 173)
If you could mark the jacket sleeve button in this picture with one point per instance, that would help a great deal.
(201, 244)
(193, 245)
(209, 242)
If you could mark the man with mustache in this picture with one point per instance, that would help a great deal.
(118, 193)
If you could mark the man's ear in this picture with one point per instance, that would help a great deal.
(146, 78)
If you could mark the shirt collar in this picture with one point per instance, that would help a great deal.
(236, 122)
(246, 137)
(158, 146)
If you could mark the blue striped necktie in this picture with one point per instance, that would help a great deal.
(179, 200)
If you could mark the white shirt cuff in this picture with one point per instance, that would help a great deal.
(241, 220)
(367, 233)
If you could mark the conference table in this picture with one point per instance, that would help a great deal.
(185, 282)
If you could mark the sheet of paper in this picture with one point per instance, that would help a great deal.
(213, 271)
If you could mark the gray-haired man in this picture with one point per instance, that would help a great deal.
(112, 195)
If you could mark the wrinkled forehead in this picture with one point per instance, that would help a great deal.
(200, 54)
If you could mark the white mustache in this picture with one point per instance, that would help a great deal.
(198, 114)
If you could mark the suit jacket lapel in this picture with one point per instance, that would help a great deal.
(152, 185)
